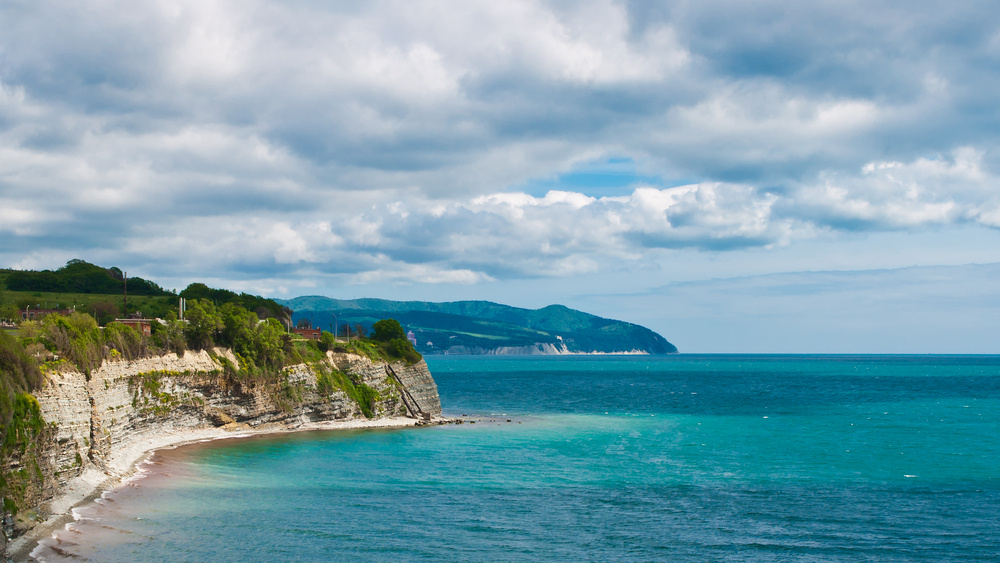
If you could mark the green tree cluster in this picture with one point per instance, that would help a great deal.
(78, 276)
(391, 340)
(262, 307)
(8, 309)
(262, 345)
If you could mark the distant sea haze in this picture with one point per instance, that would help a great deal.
(602, 458)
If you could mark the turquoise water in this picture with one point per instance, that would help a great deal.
(680, 458)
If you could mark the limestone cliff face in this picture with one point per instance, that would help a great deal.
(124, 404)
(419, 393)
(421, 387)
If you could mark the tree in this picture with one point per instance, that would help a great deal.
(387, 329)
(204, 324)
(326, 341)
(304, 323)
(81, 323)
(9, 311)
(104, 312)
(170, 335)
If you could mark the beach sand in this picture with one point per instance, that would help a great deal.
(122, 464)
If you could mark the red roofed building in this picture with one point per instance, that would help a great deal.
(310, 333)
(37, 314)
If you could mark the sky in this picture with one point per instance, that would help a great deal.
(771, 176)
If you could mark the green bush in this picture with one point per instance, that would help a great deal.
(23, 433)
(387, 330)
(169, 335)
(126, 340)
(326, 341)
(258, 305)
(204, 324)
(324, 382)
(366, 398)
(19, 373)
(399, 348)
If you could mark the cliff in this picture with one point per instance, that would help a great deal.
(96, 427)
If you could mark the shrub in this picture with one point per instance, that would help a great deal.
(169, 336)
(204, 324)
(104, 312)
(399, 348)
(326, 341)
(387, 330)
(366, 398)
(19, 373)
(126, 340)
(324, 382)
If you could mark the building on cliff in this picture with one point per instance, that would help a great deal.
(30, 314)
(309, 333)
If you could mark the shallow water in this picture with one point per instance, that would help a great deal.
(681, 458)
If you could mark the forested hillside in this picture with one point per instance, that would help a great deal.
(78, 276)
(484, 326)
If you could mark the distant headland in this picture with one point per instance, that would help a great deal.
(483, 327)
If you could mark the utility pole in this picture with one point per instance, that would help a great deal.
(125, 299)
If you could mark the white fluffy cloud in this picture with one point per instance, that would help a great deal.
(394, 140)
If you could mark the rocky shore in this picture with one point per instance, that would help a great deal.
(101, 426)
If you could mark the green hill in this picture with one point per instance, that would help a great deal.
(99, 292)
(82, 277)
(485, 327)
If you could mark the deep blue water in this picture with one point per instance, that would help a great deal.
(679, 458)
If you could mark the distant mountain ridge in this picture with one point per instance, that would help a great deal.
(484, 327)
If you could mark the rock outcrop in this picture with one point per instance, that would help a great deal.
(93, 421)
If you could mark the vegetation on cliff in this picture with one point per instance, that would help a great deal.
(264, 308)
(22, 430)
(263, 347)
(84, 336)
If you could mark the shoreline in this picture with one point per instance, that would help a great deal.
(123, 466)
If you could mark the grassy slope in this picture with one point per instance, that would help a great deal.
(81, 301)
(52, 300)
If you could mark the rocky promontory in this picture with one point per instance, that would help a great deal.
(98, 425)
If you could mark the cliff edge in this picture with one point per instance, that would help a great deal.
(98, 426)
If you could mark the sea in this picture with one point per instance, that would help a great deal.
(599, 458)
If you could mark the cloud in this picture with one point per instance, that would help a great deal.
(391, 139)
(942, 310)
(897, 195)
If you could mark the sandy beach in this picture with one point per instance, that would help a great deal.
(122, 464)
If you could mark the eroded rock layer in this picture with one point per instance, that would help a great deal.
(94, 421)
